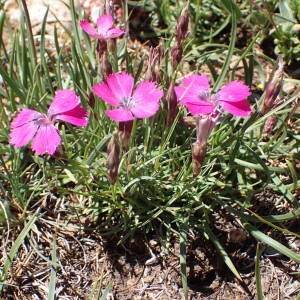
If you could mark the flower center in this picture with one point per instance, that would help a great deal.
(43, 120)
(127, 103)
(205, 96)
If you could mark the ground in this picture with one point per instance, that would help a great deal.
(87, 264)
(145, 266)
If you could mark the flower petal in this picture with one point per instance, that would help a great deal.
(46, 139)
(64, 100)
(233, 98)
(186, 97)
(241, 108)
(120, 115)
(147, 97)
(77, 116)
(87, 27)
(234, 91)
(104, 23)
(179, 91)
(23, 127)
(192, 86)
(25, 116)
(199, 107)
(198, 82)
(114, 32)
(20, 136)
(120, 84)
(105, 93)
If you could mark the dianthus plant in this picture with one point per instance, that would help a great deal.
(118, 90)
(194, 93)
(32, 125)
(105, 29)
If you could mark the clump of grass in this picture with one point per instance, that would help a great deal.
(155, 184)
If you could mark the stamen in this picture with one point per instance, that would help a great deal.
(205, 96)
(43, 120)
(128, 103)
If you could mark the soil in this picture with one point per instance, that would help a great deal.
(144, 266)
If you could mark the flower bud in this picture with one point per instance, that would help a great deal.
(91, 101)
(113, 159)
(273, 88)
(172, 104)
(176, 55)
(101, 47)
(124, 132)
(198, 155)
(154, 64)
(181, 33)
(105, 67)
(270, 125)
(181, 29)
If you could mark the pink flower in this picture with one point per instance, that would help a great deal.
(194, 93)
(32, 125)
(105, 29)
(118, 90)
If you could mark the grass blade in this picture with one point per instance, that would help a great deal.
(222, 252)
(260, 295)
(231, 47)
(12, 83)
(14, 249)
(182, 255)
(106, 291)
(271, 242)
(53, 275)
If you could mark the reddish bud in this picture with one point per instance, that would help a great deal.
(181, 29)
(181, 33)
(172, 104)
(154, 64)
(273, 88)
(91, 100)
(176, 55)
(105, 67)
(270, 125)
(124, 132)
(101, 47)
(113, 159)
(198, 155)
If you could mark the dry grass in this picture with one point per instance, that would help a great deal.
(141, 268)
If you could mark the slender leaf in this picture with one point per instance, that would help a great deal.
(14, 249)
(260, 295)
(53, 273)
(271, 242)
(222, 252)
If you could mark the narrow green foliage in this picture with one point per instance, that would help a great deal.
(271, 242)
(53, 273)
(183, 228)
(260, 295)
(234, 15)
(155, 187)
(208, 232)
(106, 291)
(14, 250)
